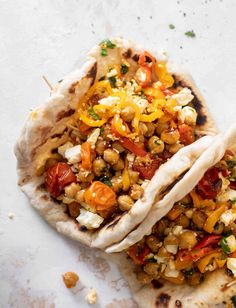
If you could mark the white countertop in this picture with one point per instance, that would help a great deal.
(51, 38)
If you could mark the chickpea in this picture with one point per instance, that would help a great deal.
(163, 253)
(118, 147)
(85, 176)
(99, 166)
(183, 221)
(187, 240)
(160, 227)
(74, 209)
(71, 190)
(155, 145)
(160, 127)
(171, 240)
(100, 147)
(136, 192)
(111, 156)
(199, 218)
(153, 243)
(127, 114)
(150, 129)
(144, 277)
(133, 176)
(79, 197)
(170, 136)
(125, 202)
(186, 200)
(117, 183)
(142, 128)
(153, 269)
(119, 165)
(174, 148)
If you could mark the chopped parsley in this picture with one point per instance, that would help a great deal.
(106, 180)
(112, 81)
(233, 201)
(106, 44)
(231, 163)
(101, 130)
(124, 69)
(233, 299)
(93, 114)
(171, 26)
(104, 52)
(190, 33)
(151, 260)
(102, 78)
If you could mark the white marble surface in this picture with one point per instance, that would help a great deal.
(51, 38)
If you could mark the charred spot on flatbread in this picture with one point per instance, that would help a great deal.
(114, 222)
(135, 58)
(64, 114)
(157, 284)
(163, 300)
(92, 73)
(178, 304)
(45, 197)
(127, 54)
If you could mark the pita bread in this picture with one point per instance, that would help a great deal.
(44, 129)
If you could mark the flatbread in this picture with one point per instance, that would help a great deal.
(46, 124)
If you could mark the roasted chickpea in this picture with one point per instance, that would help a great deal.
(99, 166)
(71, 190)
(186, 200)
(153, 243)
(74, 209)
(155, 145)
(119, 165)
(85, 176)
(153, 269)
(160, 127)
(171, 243)
(170, 136)
(136, 192)
(127, 114)
(142, 128)
(199, 218)
(100, 147)
(187, 240)
(163, 253)
(133, 176)
(117, 183)
(174, 148)
(183, 221)
(125, 202)
(111, 156)
(160, 227)
(144, 277)
(79, 197)
(150, 129)
(118, 147)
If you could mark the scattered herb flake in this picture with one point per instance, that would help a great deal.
(233, 299)
(106, 180)
(124, 69)
(171, 26)
(102, 78)
(101, 130)
(103, 52)
(107, 44)
(190, 33)
(93, 114)
(112, 81)
(231, 163)
(233, 201)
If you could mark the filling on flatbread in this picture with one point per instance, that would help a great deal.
(197, 236)
(125, 127)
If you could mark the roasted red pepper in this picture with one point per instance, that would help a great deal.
(210, 185)
(138, 254)
(208, 240)
(194, 255)
(147, 171)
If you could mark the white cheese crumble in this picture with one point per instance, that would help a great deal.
(89, 219)
(93, 137)
(231, 242)
(231, 264)
(113, 72)
(73, 155)
(91, 297)
(172, 248)
(228, 217)
(170, 270)
(61, 150)
(177, 230)
(11, 215)
(183, 97)
(187, 115)
(142, 103)
(109, 101)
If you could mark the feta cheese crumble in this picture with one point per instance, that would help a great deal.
(89, 219)
(183, 97)
(91, 297)
(73, 155)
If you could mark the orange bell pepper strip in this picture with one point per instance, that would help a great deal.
(213, 218)
(203, 262)
(86, 156)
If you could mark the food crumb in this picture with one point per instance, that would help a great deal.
(171, 26)
(11, 215)
(91, 297)
(190, 33)
(70, 279)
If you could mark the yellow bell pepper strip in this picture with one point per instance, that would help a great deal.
(180, 265)
(220, 263)
(154, 92)
(152, 116)
(104, 111)
(213, 218)
(198, 202)
(121, 127)
(203, 262)
(163, 76)
(90, 122)
(125, 177)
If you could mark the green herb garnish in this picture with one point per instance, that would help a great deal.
(224, 245)
(233, 201)
(106, 180)
(93, 114)
(171, 26)
(151, 260)
(124, 69)
(103, 52)
(233, 300)
(190, 33)
(102, 78)
(112, 81)
(231, 163)
(101, 130)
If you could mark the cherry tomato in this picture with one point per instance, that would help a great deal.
(147, 171)
(210, 185)
(232, 185)
(143, 76)
(146, 59)
(100, 196)
(57, 177)
(186, 134)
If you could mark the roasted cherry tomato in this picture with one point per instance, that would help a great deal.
(86, 156)
(147, 171)
(146, 59)
(186, 134)
(138, 254)
(100, 196)
(210, 185)
(143, 76)
(57, 177)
